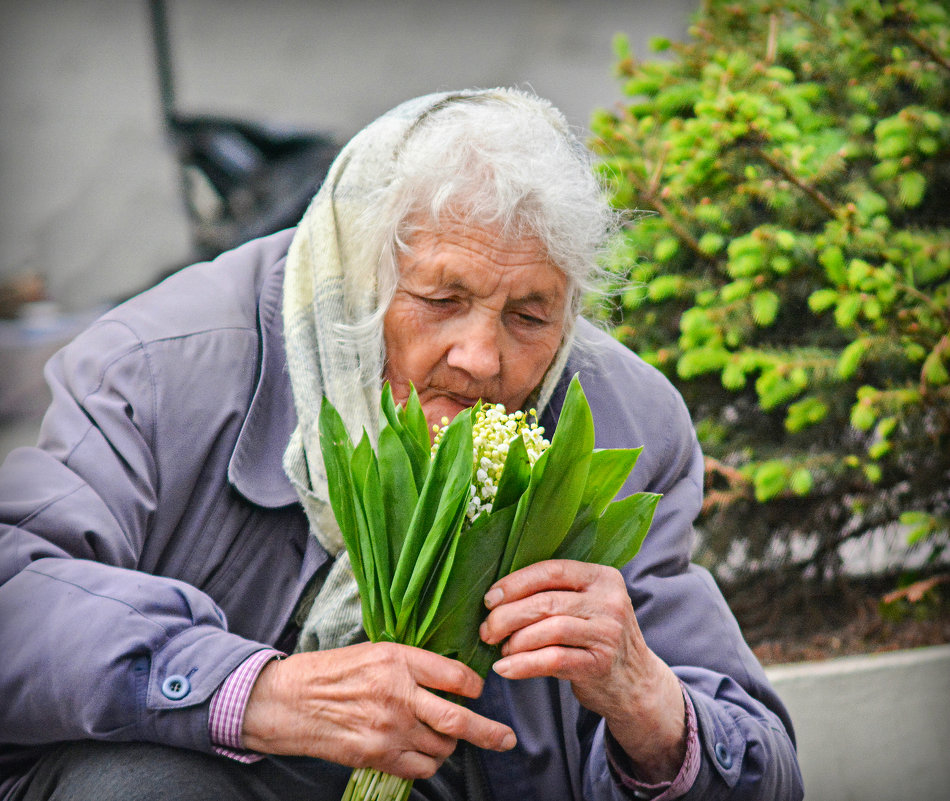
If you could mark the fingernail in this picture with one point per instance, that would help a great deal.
(501, 667)
(509, 742)
(493, 597)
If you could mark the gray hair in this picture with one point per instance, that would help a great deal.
(505, 159)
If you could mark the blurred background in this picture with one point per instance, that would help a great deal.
(131, 132)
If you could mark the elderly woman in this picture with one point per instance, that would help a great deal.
(169, 540)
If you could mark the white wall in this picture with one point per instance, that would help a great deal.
(872, 728)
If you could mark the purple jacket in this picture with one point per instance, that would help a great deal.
(151, 542)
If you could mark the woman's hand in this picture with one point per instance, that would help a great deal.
(574, 621)
(367, 705)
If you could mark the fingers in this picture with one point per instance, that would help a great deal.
(444, 717)
(457, 722)
(563, 574)
(555, 589)
(441, 673)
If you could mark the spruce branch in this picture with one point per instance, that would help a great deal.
(813, 192)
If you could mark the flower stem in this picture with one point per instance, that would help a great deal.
(367, 784)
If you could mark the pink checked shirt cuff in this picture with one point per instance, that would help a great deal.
(228, 703)
(665, 791)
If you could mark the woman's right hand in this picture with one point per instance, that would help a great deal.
(368, 705)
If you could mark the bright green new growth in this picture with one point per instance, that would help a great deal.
(421, 572)
(787, 264)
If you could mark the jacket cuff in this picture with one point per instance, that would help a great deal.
(226, 716)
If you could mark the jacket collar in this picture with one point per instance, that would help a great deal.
(256, 466)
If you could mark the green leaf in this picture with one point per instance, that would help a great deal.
(733, 375)
(711, 243)
(664, 287)
(398, 488)
(863, 416)
(920, 525)
(622, 528)
(415, 437)
(851, 356)
(548, 507)
(847, 310)
(453, 630)
(934, 371)
(765, 307)
(515, 475)
(911, 187)
(337, 449)
(769, 480)
(736, 290)
(822, 299)
(437, 517)
(804, 413)
(666, 249)
(373, 539)
(801, 481)
(832, 258)
(609, 469)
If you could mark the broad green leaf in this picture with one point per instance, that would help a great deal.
(579, 543)
(405, 421)
(622, 528)
(441, 506)
(514, 476)
(474, 569)
(373, 541)
(416, 421)
(388, 411)
(337, 450)
(398, 488)
(548, 507)
(609, 469)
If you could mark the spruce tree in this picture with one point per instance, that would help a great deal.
(786, 263)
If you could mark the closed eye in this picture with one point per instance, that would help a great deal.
(439, 303)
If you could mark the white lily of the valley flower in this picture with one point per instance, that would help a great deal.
(492, 431)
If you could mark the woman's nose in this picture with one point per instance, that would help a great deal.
(476, 349)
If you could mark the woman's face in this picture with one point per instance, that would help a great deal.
(473, 317)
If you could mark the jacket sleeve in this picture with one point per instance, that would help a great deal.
(746, 738)
(93, 646)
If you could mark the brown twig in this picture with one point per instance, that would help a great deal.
(929, 49)
(916, 591)
(678, 228)
(771, 46)
(815, 194)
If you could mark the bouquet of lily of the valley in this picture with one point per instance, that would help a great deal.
(429, 528)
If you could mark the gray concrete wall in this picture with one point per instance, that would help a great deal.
(90, 193)
(872, 728)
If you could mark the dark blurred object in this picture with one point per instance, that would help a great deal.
(19, 290)
(241, 179)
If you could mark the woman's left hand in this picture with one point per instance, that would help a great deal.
(575, 621)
